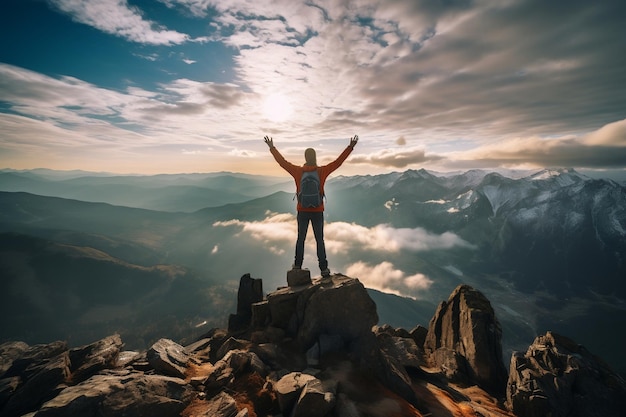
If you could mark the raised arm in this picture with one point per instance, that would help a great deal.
(286, 165)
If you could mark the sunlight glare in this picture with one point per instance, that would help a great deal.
(277, 108)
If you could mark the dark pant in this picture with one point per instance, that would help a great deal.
(317, 221)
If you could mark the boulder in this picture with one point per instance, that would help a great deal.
(128, 394)
(340, 307)
(222, 405)
(39, 382)
(289, 388)
(559, 378)
(317, 399)
(33, 357)
(464, 340)
(169, 358)
(87, 360)
(403, 350)
(419, 333)
(9, 352)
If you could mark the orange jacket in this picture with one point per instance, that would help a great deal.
(323, 171)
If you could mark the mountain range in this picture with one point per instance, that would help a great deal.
(547, 248)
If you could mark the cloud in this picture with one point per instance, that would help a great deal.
(453, 79)
(118, 18)
(604, 148)
(395, 159)
(243, 153)
(384, 277)
(344, 238)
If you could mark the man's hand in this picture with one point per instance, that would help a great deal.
(269, 141)
(353, 141)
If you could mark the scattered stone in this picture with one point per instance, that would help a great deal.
(557, 377)
(125, 394)
(9, 352)
(288, 389)
(40, 382)
(87, 360)
(403, 350)
(317, 399)
(232, 344)
(464, 341)
(168, 357)
(222, 405)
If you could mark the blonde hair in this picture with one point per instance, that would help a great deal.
(310, 157)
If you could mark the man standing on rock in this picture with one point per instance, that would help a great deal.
(310, 203)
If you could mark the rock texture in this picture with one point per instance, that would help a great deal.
(313, 349)
(250, 292)
(464, 341)
(557, 377)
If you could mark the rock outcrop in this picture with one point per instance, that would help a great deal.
(464, 341)
(314, 349)
(557, 377)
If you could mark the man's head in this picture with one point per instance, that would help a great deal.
(310, 157)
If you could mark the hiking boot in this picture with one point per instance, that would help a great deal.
(294, 266)
(325, 273)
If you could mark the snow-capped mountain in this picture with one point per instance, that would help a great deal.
(555, 228)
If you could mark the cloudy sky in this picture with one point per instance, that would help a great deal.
(164, 86)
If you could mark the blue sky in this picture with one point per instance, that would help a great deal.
(168, 86)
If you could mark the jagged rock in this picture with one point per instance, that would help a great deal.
(216, 338)
(34, 356)
(9, 352)
(419, 333)
(126, 358)
(298, 277)
(232, 344)
(464, 340)
(250, 292)
(289, 388)
(200, 349)
(557, 377)
(340, 306)
(390, 372)
(222, 405)
(127, 394)
(283, 306)
(317, 399)
(168, 357)
(404, 350)
(87, 360)
(40, 381)
(260, 314)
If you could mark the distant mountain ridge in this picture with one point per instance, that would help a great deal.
(164, 192)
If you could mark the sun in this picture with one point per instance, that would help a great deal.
(277, 108)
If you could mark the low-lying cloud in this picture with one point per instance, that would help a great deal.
(385, 277)
(342, 237)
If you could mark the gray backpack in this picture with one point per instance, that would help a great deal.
(310, 194)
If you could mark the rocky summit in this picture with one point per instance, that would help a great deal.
(314, 348)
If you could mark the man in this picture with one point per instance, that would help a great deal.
(306, 214)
